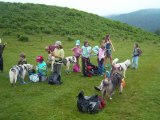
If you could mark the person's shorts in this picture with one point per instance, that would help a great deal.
(108, 53)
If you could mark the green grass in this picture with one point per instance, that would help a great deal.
(39, 101)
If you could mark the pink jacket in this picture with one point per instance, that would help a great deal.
(101, 53)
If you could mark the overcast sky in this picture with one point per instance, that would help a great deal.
(100, 7)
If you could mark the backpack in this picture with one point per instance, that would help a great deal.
(89, 104)
(34, 77)
(139, 52)
(54, 79)
(76, 68)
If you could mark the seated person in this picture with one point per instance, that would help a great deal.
(22, 59)
(41, 68)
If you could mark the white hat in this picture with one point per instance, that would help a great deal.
(57, 43)
(77, 42)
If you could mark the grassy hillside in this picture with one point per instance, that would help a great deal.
(33, 19)
(148, 19)
(40, 101)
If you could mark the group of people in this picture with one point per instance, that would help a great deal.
(85, 52)
(103, 53)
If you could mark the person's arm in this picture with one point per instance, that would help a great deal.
(112, 45)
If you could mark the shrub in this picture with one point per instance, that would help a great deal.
(23, 38)
(6, 33)
(70, 38)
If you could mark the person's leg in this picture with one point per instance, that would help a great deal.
(55, 68)
(59, 69)
(1, 64)
(136, 62)
(111, 59)
(83, 66)
(99, 88)
(101, 66)
(133, 62)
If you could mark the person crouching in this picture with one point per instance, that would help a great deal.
(41, 68)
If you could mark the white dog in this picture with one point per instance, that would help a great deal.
(120, 66)
(19, 71)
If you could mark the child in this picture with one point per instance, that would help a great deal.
(108, 44)
(41, 68)
(101, 57)
(136, 53)
(86, 51)
(77, 51)
(22, 59)
(58, 53)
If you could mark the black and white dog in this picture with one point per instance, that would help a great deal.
(19, 71)
(66, 61)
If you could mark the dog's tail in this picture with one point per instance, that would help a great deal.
(115, 61)
(12, 76)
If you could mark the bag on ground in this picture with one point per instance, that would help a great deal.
(76, 68)
(89, 104)
(54, 79)
(34, 78)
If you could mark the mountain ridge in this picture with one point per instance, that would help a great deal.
(147, 19)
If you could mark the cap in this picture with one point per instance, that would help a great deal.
(57, 43)
(39, 58)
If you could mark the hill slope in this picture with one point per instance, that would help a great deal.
(148, 19)
(40, 101)
(18, 18)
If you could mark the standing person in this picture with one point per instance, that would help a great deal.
(41, 68)
(77, 51)
(22, 59)
(2, 46)
(86, 51)
(108, 44)
(58, 53)
(135, 56)
(101, 57)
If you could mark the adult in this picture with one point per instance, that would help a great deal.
(86, 51)
(58, 53)
(2, 46)
(108, 44)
